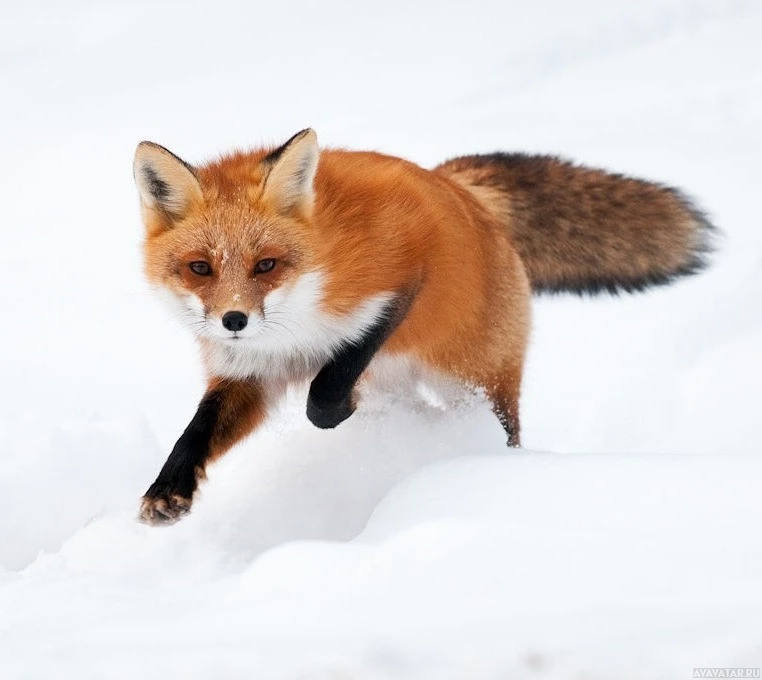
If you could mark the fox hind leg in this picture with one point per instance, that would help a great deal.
(503, 392)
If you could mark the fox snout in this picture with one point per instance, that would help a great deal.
(235, 321)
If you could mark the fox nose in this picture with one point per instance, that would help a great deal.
(234, 321)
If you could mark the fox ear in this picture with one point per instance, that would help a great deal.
(289, 183)
(167, 186)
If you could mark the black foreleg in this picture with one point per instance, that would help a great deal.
(331, 399)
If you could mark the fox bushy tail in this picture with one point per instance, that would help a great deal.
(584, 230)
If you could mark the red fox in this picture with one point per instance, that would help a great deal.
(299, 264)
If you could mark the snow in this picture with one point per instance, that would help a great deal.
(622, 542)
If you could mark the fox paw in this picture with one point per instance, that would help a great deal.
(163, 509)
(327, 415)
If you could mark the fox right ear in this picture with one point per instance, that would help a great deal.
(289, 182)
(167, 186)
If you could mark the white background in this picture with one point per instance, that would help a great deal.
(633, 550)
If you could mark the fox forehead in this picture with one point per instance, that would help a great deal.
(236, 177)
(229, 230)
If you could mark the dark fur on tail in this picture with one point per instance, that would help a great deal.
(584, 230)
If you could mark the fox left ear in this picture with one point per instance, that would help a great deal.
(167, 186)
(289, 184)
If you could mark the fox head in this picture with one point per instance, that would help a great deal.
(252, 262)
(229, 243)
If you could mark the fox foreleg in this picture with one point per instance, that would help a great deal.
(331, 397)
(228, 412)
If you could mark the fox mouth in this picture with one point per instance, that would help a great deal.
(235, 339)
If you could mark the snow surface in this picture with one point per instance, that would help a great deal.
(407, 543)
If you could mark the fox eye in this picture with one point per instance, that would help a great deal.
(201, 268)
(264, 266)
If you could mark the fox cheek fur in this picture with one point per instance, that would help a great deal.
(294, 263)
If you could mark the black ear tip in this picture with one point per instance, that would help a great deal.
(147, 152)
(276, 153)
